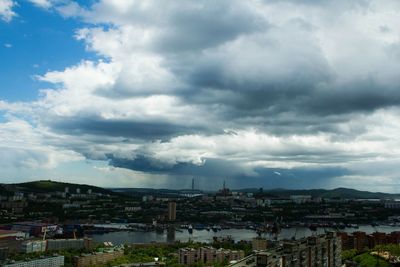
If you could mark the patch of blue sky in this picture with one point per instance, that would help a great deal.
(34, 42)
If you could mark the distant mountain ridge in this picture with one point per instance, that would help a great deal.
(340, 192)
(43, 186)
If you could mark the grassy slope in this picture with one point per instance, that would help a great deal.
(52, 186)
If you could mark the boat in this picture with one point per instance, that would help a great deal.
(190, 229)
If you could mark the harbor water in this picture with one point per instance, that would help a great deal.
(127, 237)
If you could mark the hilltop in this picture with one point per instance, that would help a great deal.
(325, 193)
(44, 186)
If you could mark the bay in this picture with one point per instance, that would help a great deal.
(129, 237)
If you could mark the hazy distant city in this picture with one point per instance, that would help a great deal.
(257, 133)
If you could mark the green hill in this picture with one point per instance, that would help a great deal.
(325, 193)
(44, 186)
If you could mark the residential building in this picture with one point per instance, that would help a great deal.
(301, 199)
(56, 261)
(361, 240)
(392, 205)
(259, 243)
(323, 250)
(208, 255)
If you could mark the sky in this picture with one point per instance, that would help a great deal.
(148, 93)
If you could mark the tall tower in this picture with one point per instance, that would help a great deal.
(171, 211)
(192, 184)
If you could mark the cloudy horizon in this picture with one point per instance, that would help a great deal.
(145, 93)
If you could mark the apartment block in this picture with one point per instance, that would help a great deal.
(362, 241)
(208, 255)
(315, 251)
(56, 261)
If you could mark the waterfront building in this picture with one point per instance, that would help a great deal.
(61, 244)
(56, 261)
(33, 246)
(12, 234)
(34, 228)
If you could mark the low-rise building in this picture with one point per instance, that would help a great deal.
(61, 244)
(13, 245)
(34, 228)
(11, 233)
(300, 199)
(33, 246)
(56, 261)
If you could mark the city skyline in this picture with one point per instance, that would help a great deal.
(141, 93)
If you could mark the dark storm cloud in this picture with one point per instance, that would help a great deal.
(207, 25)
(210, 168)
(360, 96)
(145, 130)
(244, 69)
(338, 3)
(184, 26)
(235, 176)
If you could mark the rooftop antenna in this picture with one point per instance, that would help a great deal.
(224, 185)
